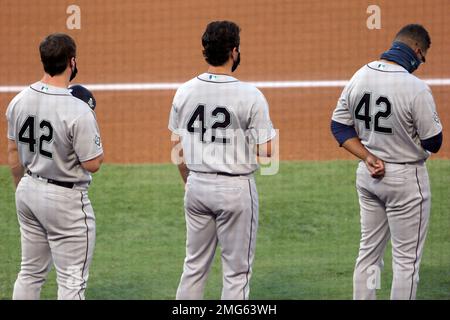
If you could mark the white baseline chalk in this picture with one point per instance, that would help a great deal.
(155, 86)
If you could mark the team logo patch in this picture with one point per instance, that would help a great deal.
(97, 140)
(91, 103)
(436, 118)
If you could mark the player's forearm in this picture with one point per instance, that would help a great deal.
(184, 171)
(264, 150)
(177, 149)
(355, 147)
(93, 165)
(374, 164)
(17, 172)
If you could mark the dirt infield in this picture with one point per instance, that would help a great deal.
(159, 41)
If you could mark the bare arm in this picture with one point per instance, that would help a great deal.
(265, 149)
(184, 171)
(374, 165)
(13, 160)
(93, 165)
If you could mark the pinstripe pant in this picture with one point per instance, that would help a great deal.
(219, 210)
(56, 225)
(396, 207)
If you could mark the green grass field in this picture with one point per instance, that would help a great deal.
(306, 247)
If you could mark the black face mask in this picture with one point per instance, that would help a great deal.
(74, 72)
(236, 63)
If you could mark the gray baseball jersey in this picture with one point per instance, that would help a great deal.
(220, 119)
(54, 133)
(391, 110)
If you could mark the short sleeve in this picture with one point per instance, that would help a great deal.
(425, 118)
(11, 134)
(260, 125)
(86, 137)
(342, 113)
(173, 119)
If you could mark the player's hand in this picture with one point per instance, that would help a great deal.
(375, 166)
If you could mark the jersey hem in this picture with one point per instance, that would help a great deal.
(273, 135)
(90, 157)
(340, 121)
(430, 136)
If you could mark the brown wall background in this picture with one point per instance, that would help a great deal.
(159, 41)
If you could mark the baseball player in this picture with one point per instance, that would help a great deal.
(53, 146)
(223, 124)
(387, 117)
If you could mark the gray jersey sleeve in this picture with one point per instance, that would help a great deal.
(11, 125)
(11, 134)
(86, 137)
(342, 113)
(173, 119)
(260, 125)
(424, 115)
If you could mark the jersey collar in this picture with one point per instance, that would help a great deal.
(384, 66)
(48, 89)
(216, 78)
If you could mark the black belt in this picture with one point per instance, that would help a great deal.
(229, 174)
(68, 185)
(405, 163)
(223, 173)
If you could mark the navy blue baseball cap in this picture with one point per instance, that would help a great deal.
(84, 94)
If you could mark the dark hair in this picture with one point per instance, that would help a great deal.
(416, 33)
(56, 51)
(218, 40)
